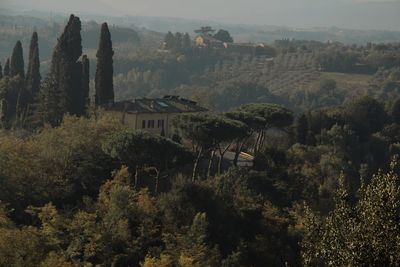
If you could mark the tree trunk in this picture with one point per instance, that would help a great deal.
(136, 177)
(260, 141)
(238, 149)
(157, 180)
(221, 156)
(196, 163)
(257, 143)
(210, 163)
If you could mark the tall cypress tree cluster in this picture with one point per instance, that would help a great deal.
(179, 42)
(33, 73)
(66, 87)
(104, 71)
(13, 94)
(65, 67)
(62, 90)
(186, 43)
(169, 41)
(17, 61)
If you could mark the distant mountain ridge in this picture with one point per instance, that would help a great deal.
(240, 32)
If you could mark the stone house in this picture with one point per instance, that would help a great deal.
(153, 115)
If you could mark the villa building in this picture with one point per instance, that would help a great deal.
(153, 115)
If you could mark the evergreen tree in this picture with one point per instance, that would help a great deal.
(7, 68)
(1, 72)
(12, 89)
(75, 96)
(33, 73)
(3, 113)
(169, 41)
(104, 72)
(301, 129)
(51, 103)
(85, 83)
(66, 70)
(223, 36)
(178, 41)
(17, 61)
(186, 43)
(205, 31)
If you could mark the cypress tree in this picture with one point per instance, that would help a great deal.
(7, 68)
(50, 107)
(18, 99)
(69, 77)
(104, 72)
(17, 61)
(65, 71)
(178, 41)
(75, 95)
(33, 73)
(85, 83)
(3, 113)
(169, 41)
(187, 43)
(1, 72)
(13, 91)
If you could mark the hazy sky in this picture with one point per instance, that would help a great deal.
(367, 14)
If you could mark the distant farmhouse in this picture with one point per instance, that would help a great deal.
(208, 41)
(153, 115)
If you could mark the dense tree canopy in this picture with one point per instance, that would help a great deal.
(223, 36)
(366, 116)
(141, 150)
(206, 131)
(275, 117)
(364, 234)
(301, 129)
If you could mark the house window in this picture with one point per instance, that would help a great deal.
(150, 124)
(160, 124)
(143, 124)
